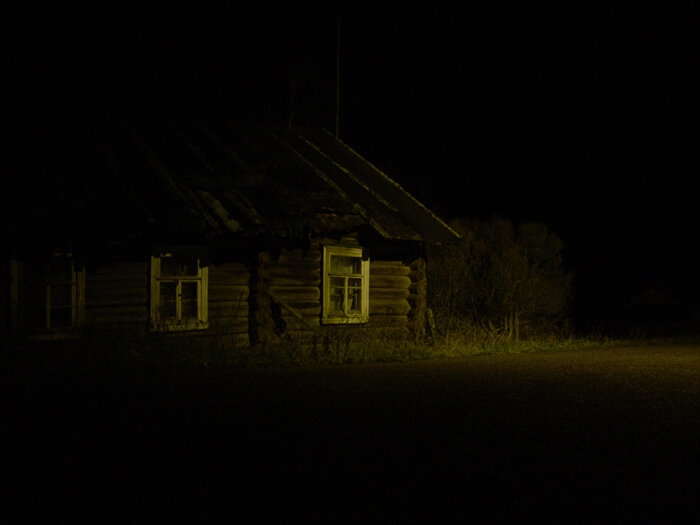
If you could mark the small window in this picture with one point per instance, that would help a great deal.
(345, 285)
(179, 283)
(52, 296)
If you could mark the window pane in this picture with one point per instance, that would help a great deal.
(355, 283)
(61, 318)
(179, 266)
(337, 297)
(168, 300)
(345, 265)
(60, 269)
(61, 296)
(354, 300)
(188, 300)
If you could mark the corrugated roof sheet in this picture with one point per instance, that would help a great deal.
(217, 179)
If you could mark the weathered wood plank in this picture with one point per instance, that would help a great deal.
(234, 340)
(107, 309)
(276, 280)
(123, 319)
(380, 307)
(124, 299)
(228, 309)
(124, 314)
(98, 289)
(292, 323)
(228, 293)
(124, 268)
(229, 267)
(297, 256)
(388, 293)
(228, 279)
(388, 268)
(387, 320)
(117, 281)
(389, 281)
(232, 324)
(306, 337)
(297, 293)
(303, 309)
(116, 332)
(306, 272)
(109, 285)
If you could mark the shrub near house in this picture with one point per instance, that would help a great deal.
(501, 272)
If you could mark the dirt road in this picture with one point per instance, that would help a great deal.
(565, 435)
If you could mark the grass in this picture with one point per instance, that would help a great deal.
(177, 356)
(452, 339)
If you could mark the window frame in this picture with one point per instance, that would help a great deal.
(19, 298)
(202, 279)
(346, 251)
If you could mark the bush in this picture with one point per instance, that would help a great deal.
(501, 277)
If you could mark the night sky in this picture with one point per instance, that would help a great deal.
(584, 120)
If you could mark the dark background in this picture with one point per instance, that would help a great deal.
(584, 120)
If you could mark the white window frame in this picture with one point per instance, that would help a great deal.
(18, 297)
(329, 317)
(202, 279)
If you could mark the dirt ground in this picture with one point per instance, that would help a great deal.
(575, 435)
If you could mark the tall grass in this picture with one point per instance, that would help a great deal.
(456, 338)
(113, 361)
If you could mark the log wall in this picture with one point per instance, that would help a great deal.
(418, 290)
(241, 307)
(116, 300)
(397, 296)
(229, 292)
(295, 277)
(389, 283)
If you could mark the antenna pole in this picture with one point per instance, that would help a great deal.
(337, 80)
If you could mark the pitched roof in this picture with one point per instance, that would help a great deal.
(216, 179)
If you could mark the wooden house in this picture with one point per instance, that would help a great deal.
(243, 233)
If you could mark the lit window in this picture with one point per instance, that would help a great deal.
(53, 296)
(178, 291)
(345, 285)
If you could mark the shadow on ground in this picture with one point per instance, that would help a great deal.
(562, 435)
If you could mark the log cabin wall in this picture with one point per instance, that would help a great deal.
(228, 297)
(294, 277)
(389, 282)
(397, 296)
(397, 292)
(116, 300)
(418, 298)
(241, 307)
